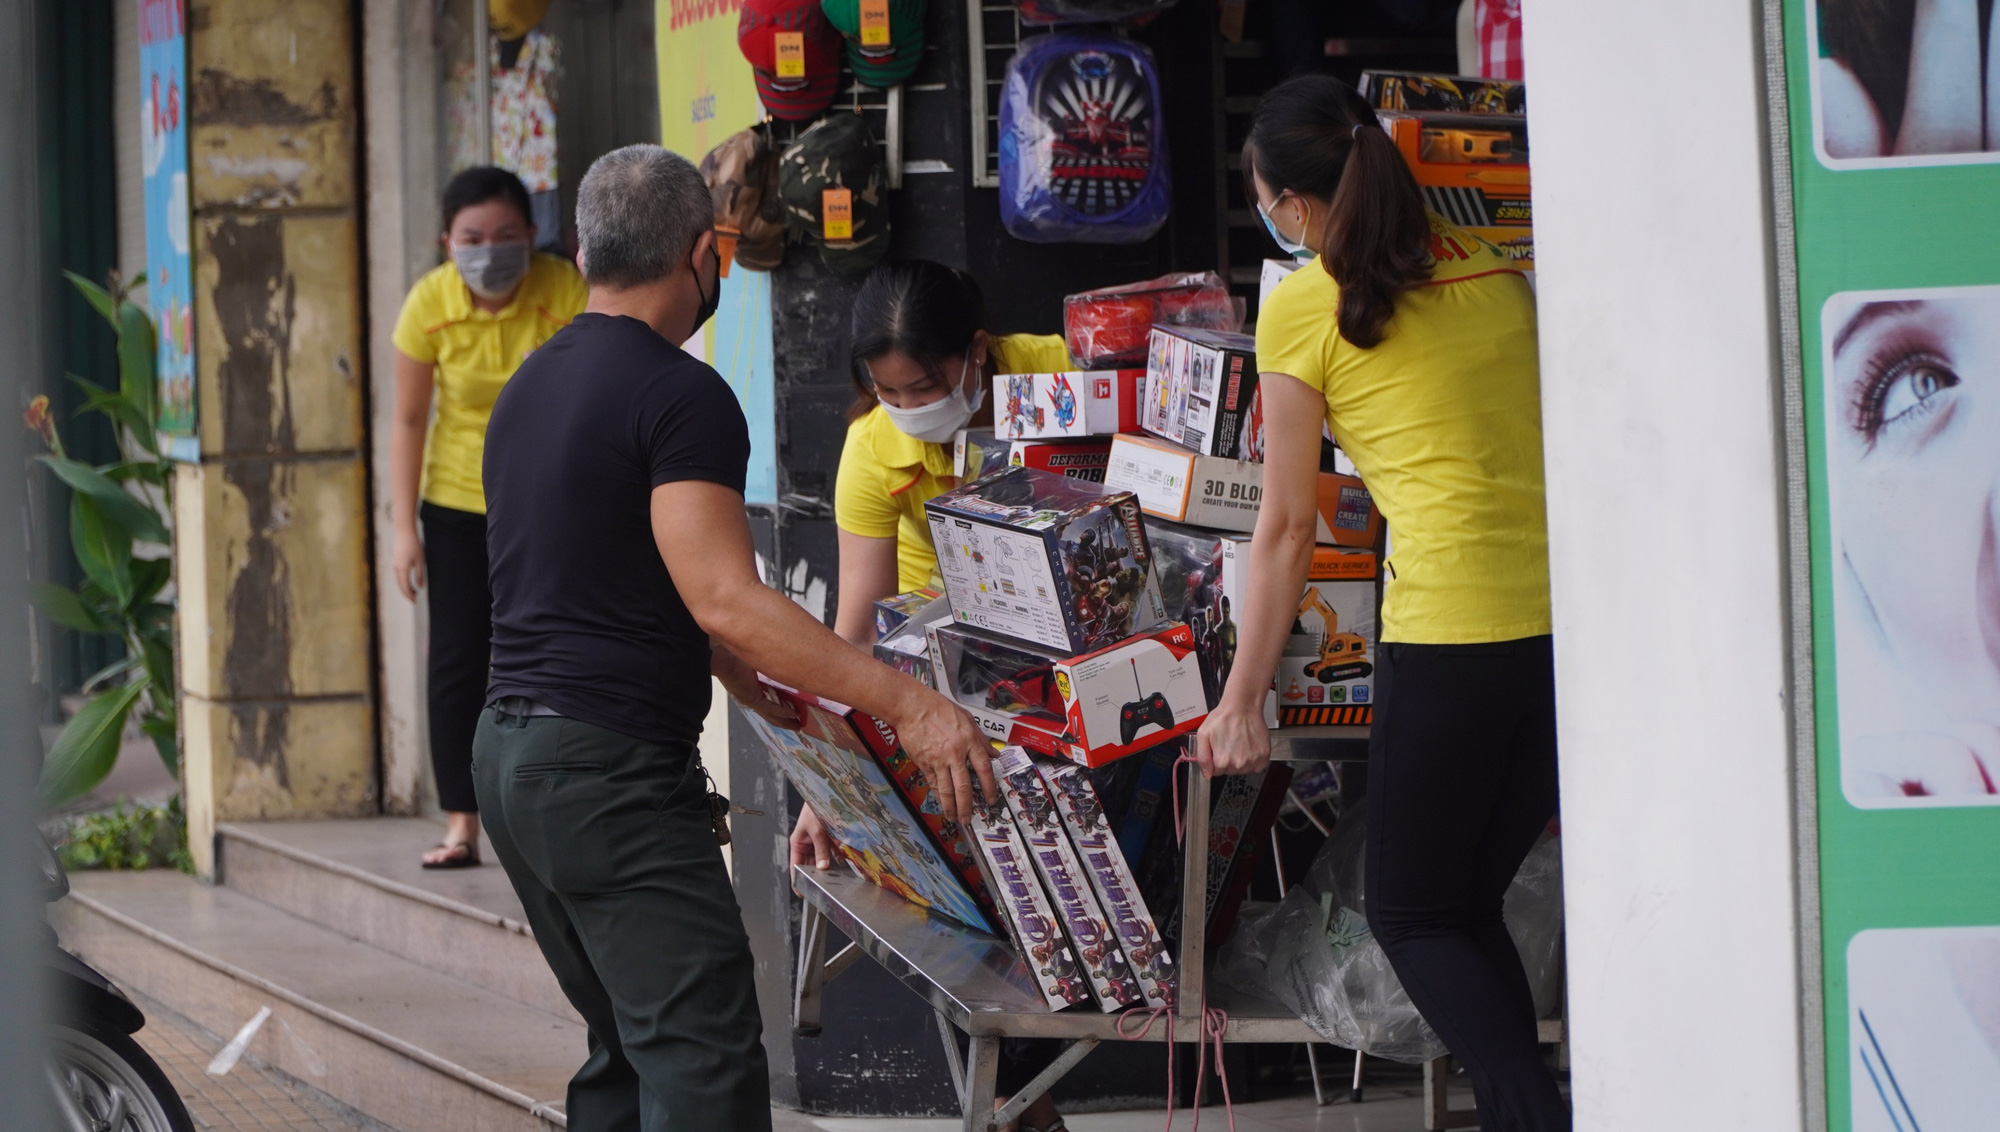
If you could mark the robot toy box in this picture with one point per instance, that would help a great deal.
(1091, 936)
(1110, 877)
(1045, 559)
(1201, 392)
(882, 837)
(1046, 406)
(1083, 459)
(1025, 909)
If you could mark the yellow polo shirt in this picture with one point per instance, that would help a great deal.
(1443, 419)
(887, 475)
(475, 351)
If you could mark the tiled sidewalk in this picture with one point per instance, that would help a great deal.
(246, 1099)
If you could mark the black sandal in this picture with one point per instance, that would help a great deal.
(461, 855)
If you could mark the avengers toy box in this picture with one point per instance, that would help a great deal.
(1025, 909)
(1089, 709)
(1110, 876)
(1473, 171)
(1045, 559)
(1083, 459)
(1201, 392)
(1040, 406)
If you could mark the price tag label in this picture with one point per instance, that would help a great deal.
(836, 210)
(874, 23)
(791, 54)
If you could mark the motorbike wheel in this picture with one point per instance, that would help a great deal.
(115, 1084)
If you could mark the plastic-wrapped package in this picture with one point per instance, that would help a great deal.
(1108, 328)
(1083, 149)
(1088, 11)
(1323, 963)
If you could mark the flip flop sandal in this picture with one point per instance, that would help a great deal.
(463, 855)
(1056, 1126)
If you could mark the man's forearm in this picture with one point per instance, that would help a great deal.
(767, 631)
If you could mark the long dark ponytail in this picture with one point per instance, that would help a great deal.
(925, 311)
(1317, 137)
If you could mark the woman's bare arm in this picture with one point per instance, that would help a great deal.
(414, 386)
(867, 575)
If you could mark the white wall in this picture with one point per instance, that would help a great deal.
(1660, 395)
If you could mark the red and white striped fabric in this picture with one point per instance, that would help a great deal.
(1497, 23)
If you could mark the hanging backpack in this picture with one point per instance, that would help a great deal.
(1087, 11)
(1083, 150)
(742, 178)
(833, 184)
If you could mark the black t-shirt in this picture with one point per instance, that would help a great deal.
(586, 619)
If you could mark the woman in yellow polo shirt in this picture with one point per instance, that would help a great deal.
(464, 328)
(1415, 342)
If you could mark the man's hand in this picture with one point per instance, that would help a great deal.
(1232, 741)
(944, 741)
(811, 843)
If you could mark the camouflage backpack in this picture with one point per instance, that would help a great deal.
(742, 177)
(837, 153)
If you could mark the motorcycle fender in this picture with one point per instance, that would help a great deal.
(89, 999)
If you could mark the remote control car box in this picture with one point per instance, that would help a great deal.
(1046, 559)
(1044, 406)
(1083, 459)
(1201, 392)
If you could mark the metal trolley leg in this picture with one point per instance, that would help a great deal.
(981, 1072)
(815, 971)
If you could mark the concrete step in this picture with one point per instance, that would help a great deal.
(412, 1047)
(363, 879)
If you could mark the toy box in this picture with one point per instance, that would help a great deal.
(1109, 327)
(1091, 936)
(1347, 512)
(891, 612)
(1083, 459)
(1272, 273)
(1175, 483)
(1025, 910)
(906, 648)
(1326, 672)
(1042, 406)
(1473, 171)
(1464, 94)
(1110, 877)
(976, 454)
(1046, 559)
(1201, 392)
(1089, 709)
(881, 835)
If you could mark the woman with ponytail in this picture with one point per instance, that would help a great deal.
(1415, 342)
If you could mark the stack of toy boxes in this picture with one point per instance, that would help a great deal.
(1466, 140)
(1198, 475)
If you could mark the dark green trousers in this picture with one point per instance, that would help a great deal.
(608, 842)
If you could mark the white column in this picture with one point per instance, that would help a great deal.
(1666, 521)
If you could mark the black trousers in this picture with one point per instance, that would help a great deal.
(461, 645)
(1461, 782)
(609, 845)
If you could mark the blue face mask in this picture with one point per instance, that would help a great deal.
(1291, 247)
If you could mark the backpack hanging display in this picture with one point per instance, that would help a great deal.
(833, 183)
(742, 178)
(1083, 151)
(1087, 11)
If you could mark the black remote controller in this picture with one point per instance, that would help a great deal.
(1153, 709)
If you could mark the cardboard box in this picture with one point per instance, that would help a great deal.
(1270, 275)
(1025, 910)
(1047, 406)
(1201, 392)
(892, 612)
(976, 454)
(1326, 672)
(1078, 459)
(1045, 559)
(1090, 709)
(1426, 92)
(1347, 512)
(1171, 482)
(1111, 879)
(1473, 171)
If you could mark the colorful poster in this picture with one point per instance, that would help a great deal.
(164, 152)
(1894, 131)
(707, 94)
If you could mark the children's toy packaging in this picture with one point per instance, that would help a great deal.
(1326, 673)
(1239, 823)
(1111, 879)
(976, 454)
(1041, 406)
(1272, 273)
(880, 837)
(1175, 483)
(1029, 917)
(1347, 512)
(1045, 559)
(1091, 935)
(891, 612)
(1108, 328)
(1083, 459)
(906, 647)
(1082, 148)
(1201, 392)
(1473, 171)
(1090, 709)
(1428, 93)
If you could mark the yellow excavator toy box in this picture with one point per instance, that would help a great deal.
(1326, 672)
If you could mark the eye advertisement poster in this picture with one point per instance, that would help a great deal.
(1894, 141)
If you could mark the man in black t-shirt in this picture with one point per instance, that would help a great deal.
(623, 577)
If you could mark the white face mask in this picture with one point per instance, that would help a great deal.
(939, 420)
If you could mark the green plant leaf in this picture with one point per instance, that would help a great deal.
(160, 729)
(96, 296)
(109, 672)
(134, 518)
(65, 607)
(149, 577)
(137, 376)
(104, 552)
(123, 413)
(88, 746)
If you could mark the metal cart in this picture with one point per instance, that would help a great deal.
(975, 981)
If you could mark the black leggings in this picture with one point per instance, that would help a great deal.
(1461, 782)
(461, 645)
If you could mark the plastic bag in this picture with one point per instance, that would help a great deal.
(1325, 965)
(1083, 147)
(1109, 327)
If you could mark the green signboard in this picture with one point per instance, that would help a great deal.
(1894, 131)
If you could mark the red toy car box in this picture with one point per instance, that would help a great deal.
(1108, 327)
